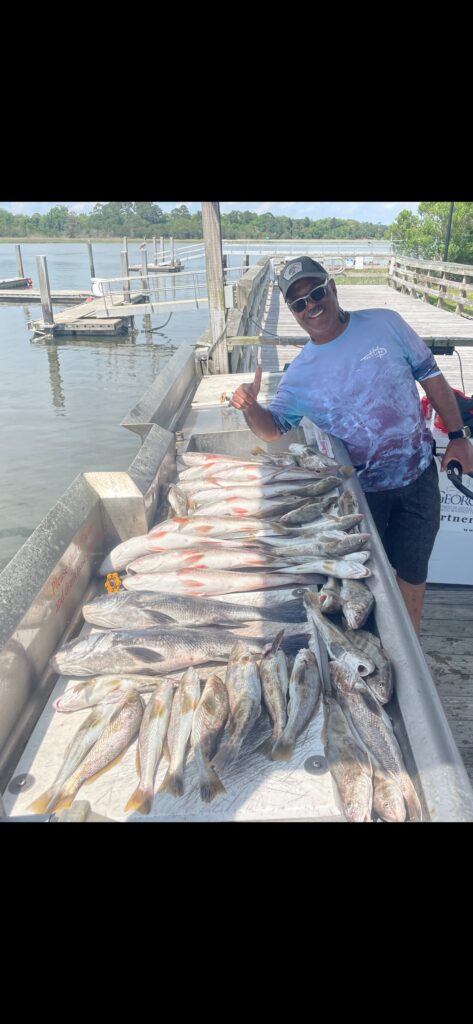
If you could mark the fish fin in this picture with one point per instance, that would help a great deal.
(141, 800)
(211, 786)
(160, 617)
(173, 783)
(282, 750)
(145, 653)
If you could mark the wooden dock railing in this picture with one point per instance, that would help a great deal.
(447, 282)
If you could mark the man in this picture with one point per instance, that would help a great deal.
(356, 380)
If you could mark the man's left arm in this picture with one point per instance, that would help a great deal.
(443, 399)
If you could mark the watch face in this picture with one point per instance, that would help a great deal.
(466, 432)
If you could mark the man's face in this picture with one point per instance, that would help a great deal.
(319, 314)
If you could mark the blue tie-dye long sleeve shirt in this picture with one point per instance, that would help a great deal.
(361, 388)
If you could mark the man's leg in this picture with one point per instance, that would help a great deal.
(413, 595)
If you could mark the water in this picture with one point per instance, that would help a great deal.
(62, 400)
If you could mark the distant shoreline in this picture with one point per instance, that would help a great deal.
(193, 241)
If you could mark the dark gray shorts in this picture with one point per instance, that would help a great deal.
(408, 520)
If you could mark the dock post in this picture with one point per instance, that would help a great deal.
(91, 260)
(171, 246)
(125, 243)
(19, 261)
(215, 286)
(44, 291)
(155, 251)
(125, 275)
(161, 241)
(246, 261)
(144, 270)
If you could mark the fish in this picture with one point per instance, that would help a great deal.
(282, 459)
(274, 684)
(337, 642)
(309, 513)
(100, 690)
(309, 458)
(324, 524)
(340, 567)
(357, 602)
(148, 652)
(271, 601)
(131, 610)
(347, 503)
(222, 557)
(380, 681)
(202, 458)
(185, 701)
(85, 737)
(237, 505)
(209, 721)
(374, 728)
(349, 763)
(120, 730)
(388, 801)
(201, 582)
(151, 738)
(242, 680)
(304, 692)
(325, 545)
(180, 531)
(329, 596)
(208, 495)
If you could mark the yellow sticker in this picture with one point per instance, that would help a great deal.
(113, 582)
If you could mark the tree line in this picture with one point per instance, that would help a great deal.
(145, 220)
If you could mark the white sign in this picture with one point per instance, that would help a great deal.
(451, 560)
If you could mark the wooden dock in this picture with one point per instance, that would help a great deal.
(33, 295)
(90, 317)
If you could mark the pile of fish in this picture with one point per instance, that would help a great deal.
(218, 585)
(178, 714)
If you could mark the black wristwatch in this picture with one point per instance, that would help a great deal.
(454, 434)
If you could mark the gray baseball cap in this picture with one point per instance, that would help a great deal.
(302, 266)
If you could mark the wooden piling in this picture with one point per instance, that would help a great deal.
(215, 285)
(125, 275)
(91, 260)
(144, 270)
(19, 261)
(155, 250)
(171, 247)
(161, 240)
(125, 244)
(46, 304)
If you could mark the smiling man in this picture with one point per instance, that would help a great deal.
(356, 379)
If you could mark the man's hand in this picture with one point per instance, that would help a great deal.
(462, 451)
(246, 394)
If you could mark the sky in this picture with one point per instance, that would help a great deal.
(376, 212)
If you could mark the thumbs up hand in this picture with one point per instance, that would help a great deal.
(246, 394)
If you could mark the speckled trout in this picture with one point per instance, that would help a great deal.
(185, 701)
(208, 724)
(153, 730)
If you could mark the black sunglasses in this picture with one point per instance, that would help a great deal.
(318, 293)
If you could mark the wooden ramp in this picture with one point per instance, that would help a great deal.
(431, 324)
(33, 295)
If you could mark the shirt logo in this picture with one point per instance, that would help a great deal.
(378, 352)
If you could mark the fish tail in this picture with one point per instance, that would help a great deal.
(266, 747)
(282, 750)
(226, 754)
(141, 800)
(173, 783)
(42, 803)
(211, 786)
